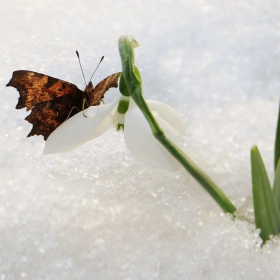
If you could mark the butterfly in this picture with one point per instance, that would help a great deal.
(52, 101)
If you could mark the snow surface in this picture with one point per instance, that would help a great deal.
(96, 212)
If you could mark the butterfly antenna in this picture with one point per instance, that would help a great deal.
(77, 53)
(97, 67)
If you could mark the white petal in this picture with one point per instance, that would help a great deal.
(79, 129)
(168, 114)
(141, 142)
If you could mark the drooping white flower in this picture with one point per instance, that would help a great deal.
(137, 132)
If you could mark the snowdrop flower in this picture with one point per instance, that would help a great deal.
(124, 115)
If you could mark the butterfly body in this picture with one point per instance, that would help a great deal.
(52, 100)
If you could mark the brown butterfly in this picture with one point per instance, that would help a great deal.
(52, 101)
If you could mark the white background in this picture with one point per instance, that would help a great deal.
(96, 212)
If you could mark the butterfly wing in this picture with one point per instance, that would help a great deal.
(102, 87)
(49, 99)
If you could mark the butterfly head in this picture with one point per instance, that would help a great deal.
(89, 89)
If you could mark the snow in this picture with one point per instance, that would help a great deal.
(98, 213)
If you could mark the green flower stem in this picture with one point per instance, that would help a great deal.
(132, 80)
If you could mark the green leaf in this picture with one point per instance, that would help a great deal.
(276, 186)
(267, 217)
(277, 142)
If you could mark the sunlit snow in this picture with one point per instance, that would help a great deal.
(98, 213)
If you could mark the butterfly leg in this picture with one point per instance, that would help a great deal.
(74, 107)
(83, 106)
